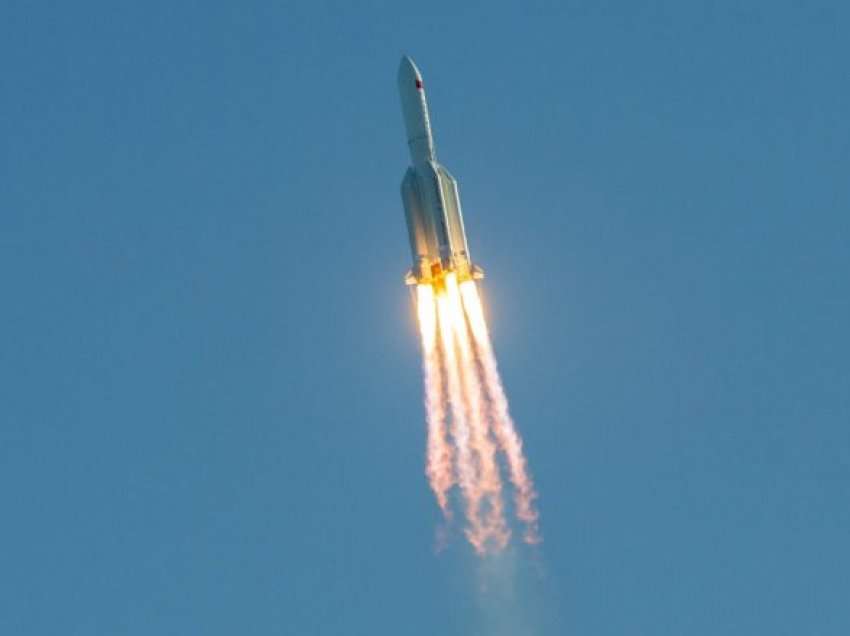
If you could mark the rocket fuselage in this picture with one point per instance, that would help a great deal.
(430, 194)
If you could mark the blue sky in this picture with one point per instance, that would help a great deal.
(212, 414)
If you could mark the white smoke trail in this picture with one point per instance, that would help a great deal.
(503, 425)
(468, 417)
(439, 461)
(460, 427)
(495, 531)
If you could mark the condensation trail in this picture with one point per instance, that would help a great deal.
(460, 426)
(489, 485)
(439, 458)
(504, 428)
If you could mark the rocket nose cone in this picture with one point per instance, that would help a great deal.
(415, 111)
(408, 75)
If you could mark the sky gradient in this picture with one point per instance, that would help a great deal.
(212, 415)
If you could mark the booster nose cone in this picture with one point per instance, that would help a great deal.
(415, 110)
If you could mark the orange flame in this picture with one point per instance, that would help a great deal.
(461, 379)
(439, 457)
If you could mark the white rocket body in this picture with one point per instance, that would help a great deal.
(430, 194)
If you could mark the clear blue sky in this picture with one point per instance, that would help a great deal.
(211, 412)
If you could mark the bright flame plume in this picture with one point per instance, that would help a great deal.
(439, 462)
(462, 385)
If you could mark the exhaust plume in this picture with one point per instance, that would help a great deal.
(462, 385)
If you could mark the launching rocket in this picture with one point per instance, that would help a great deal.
(469, 424)
(430, 195)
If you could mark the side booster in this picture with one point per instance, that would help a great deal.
(430, 195)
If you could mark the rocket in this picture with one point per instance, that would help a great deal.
(430, 195)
